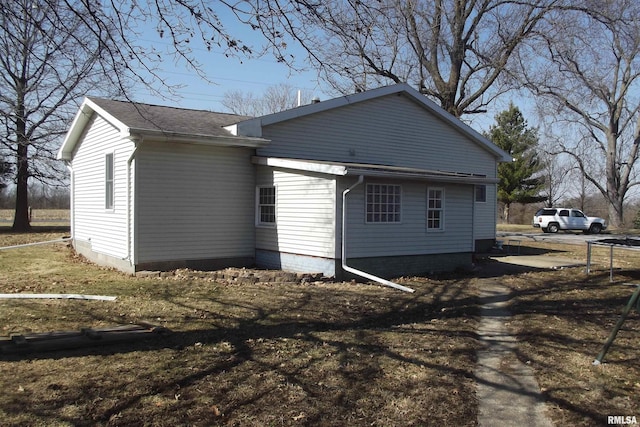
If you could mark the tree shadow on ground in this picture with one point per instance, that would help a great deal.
(561, 320)
(316, 358)
(329, 357)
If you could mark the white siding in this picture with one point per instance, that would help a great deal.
(391, 130)
(410, 237)
(485, 216)
(193, 202)
(305, 213)
(106, 230)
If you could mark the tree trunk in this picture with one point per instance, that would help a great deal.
(505, 212)
(616, 214)
(21, 218)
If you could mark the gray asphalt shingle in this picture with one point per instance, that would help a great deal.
(169, 119)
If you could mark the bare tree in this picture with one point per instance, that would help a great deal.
(556, 178)
(586, 67)
(52, 52)
(453, 51)
(274, 99)
(46, 64)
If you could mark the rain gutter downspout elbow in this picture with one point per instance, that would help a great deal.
(345, 267)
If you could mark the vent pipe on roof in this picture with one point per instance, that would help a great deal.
(345, 267)
(315, 100)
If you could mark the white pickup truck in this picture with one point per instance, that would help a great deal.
(550, 220)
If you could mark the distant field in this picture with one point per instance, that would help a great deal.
(39, 218)
(39, 215)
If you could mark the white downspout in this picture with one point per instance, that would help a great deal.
(345, 267)
(136, 143)
(71, 199)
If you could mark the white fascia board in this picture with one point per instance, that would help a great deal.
(73, 134)
(302, 165)
(84, 114)
(232, 129)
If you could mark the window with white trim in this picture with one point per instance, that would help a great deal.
(481, 193)
(108, 181)
(266, 214)
(435, 209)
(383, 203)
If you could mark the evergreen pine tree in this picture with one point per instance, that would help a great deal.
(519, 181)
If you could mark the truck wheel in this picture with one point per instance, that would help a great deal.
(595, 228)
(552, 228)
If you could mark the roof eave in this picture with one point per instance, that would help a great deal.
(88, 108)
(215, 140)
(84, 114)
(375, 171)
(432, 177)
(302, 165)
(65, 152)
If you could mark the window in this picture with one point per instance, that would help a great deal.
(383, 203)
(108, 181)
(543, 211)
(435, 209)
(481, 193)
(266, 205)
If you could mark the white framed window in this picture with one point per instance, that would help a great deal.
(109, 190)
(481, 193)
(435, 209)
(384, 203)
(266, 206)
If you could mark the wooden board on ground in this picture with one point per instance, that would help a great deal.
(86, 337)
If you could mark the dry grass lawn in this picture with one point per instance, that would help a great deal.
(321, 354)
(38, 215)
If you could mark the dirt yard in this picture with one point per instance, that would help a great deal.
(315, 353)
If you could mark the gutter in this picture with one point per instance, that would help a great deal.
(198, 139)
(136, 142)
(352, 270)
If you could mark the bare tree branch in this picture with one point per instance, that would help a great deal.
(456, 52)
(588, 68)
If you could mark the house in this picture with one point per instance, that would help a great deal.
(382, 181)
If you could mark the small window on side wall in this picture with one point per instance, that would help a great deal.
(481, 193)
(435, 209)
(266, 214)
(108, 181)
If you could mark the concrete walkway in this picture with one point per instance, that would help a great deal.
(508, 393)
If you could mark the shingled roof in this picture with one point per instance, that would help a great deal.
(140, 121)
(169, 119)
